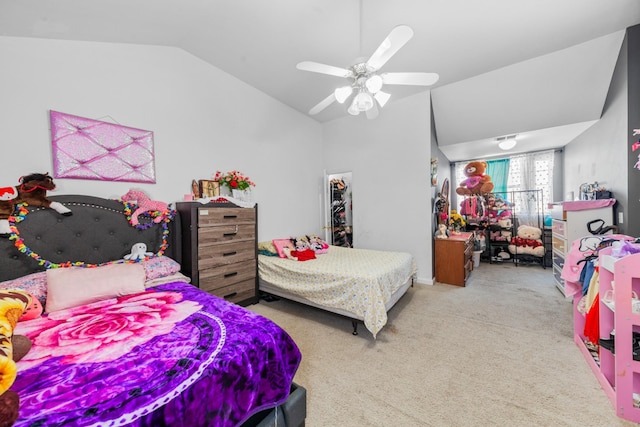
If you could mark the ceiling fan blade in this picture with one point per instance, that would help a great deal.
(416, 79)
(397, 38)
(323, 104)
(316, 67)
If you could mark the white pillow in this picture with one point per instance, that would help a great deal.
(71, 287)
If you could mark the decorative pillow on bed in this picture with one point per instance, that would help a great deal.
(35, 284)
(71, 287)
(267, 248)
(280, 244)
(160, 266)
(177, 277)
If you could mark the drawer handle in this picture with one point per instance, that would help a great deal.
(231, 295)
(229, 253)
(235, 273)
(232, 233)
(230, 216)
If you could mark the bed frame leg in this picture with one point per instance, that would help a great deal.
(355, 327)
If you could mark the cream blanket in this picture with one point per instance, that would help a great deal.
(358, 281)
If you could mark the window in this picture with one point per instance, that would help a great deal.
(533, 171)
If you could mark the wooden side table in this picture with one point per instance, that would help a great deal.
(454, 259)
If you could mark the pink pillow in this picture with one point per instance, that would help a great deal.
(160, 266)
(71, 287)
(282, 243)
(35, 284)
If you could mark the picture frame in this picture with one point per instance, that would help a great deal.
(209, 188)
(195, 189)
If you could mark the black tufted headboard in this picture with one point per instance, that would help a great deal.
(97, 232)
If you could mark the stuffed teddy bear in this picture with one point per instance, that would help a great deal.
(477, 182)
(527, 242)
(505, 222)
(32, 190)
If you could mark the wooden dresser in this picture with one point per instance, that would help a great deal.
(220, 249)
(454, 262)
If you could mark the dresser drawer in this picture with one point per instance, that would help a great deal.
(225, 233)
(219, 277)
(557, 275)
(235, 293)
(228, 253)
(558, 260)
(558, 228)
(559, 244)
(212, 217)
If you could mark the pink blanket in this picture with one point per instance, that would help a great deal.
(580, 205)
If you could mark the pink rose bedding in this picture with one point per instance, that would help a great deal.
(170, 356)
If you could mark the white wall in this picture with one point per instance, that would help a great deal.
(599, 154)
(202, 119)
(390, 161)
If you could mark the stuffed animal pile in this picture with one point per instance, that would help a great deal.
(527, 242)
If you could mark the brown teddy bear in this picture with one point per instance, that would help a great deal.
(477, 182)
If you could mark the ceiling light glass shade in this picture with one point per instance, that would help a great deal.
(362, 101)
(507, 143)
(374, 83)
(342, 93)
(382, 98)
(353, 110)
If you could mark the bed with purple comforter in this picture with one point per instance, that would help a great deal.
(170, 356)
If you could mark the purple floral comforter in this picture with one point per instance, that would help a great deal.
(171, 356)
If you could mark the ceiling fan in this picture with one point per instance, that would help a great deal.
(365, 82)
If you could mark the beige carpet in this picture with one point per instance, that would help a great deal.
(498, 352)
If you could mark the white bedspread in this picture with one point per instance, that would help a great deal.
(358, 281)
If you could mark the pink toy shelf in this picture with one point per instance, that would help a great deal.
(619, 373)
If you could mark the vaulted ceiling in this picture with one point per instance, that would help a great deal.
(538, 68)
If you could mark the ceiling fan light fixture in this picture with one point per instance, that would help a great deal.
(342, 93)
(374, 84)
(363, 101)
(507, 142)
(353, 110)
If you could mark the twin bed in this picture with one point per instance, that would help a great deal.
(154, 351)
(360, 284)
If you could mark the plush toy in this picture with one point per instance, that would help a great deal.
(12, 348)
(138, 252)
(503, 209)
(477, 182)
(302, 251)
(318, 245)
(145, 204)
(441, 232)
(528, 242)
(32, 189)
(505, 222)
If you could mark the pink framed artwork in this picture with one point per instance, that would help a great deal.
(91, 149)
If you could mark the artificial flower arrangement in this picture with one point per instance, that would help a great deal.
(234, 179)
(456, 220)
